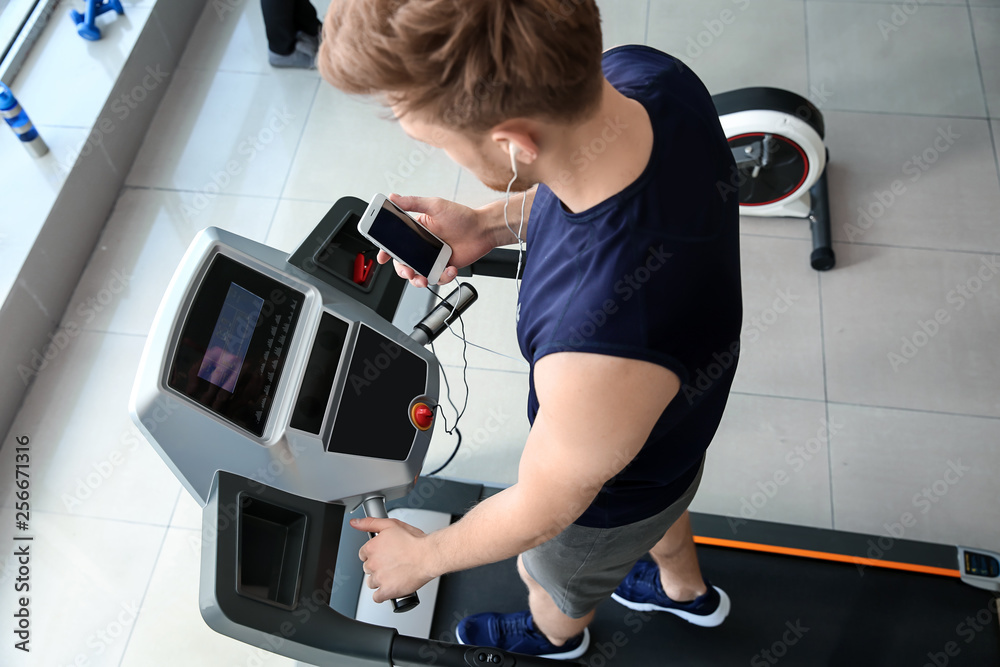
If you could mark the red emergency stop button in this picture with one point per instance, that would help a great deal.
(421, 416)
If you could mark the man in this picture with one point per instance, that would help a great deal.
(632, 292)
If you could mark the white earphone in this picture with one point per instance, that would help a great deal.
(514, 149)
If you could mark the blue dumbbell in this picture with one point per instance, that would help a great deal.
(85, 23)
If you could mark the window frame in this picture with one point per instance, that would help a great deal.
(33, 16)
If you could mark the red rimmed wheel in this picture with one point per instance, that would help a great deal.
(778, 169)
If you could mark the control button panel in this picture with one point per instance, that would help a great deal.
(980, 568)
(981, 565)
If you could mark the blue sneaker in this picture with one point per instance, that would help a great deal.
(641, 590)
(517, 633)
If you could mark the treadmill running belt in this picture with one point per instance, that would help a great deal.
(786, 611)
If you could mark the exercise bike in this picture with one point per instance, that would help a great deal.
(776, 138)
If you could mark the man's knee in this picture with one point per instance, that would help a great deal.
(528, 580)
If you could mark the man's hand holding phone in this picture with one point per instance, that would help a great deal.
(460, 227)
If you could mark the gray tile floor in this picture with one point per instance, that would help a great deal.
(879, 377)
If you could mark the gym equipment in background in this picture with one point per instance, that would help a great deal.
(18, 121)
(86, 23)
(777, 141)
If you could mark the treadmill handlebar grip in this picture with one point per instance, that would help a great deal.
(445, 313)
(375, 508)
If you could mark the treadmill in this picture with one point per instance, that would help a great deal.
(287, 391)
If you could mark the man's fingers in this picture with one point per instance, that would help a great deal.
(448, 275)
(403, 271)
(402, 202)
(407, 273)
(413, 204)
(371, 525)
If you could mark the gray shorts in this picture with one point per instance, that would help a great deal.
(581, 567)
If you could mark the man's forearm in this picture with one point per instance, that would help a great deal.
(500, 527)
(494, 218)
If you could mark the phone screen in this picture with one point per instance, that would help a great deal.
(401, 234)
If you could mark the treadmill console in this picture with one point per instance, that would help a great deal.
(263, 369)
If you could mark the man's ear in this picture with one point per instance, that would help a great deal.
(505, 136)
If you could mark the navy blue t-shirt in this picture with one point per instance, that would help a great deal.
(652, 273)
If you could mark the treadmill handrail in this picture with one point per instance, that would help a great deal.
(498, 263)
(416, 652)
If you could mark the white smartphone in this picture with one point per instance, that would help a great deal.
(406, 240)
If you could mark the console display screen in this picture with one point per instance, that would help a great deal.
(227, 349)
(231, 350)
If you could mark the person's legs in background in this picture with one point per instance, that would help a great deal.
(307, 25)
(292, 28)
